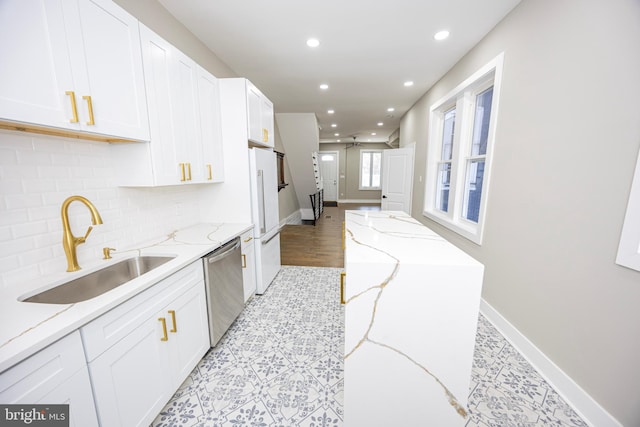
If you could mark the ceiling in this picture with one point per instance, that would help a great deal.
(368, 49)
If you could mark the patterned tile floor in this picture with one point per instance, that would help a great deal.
(280, 364)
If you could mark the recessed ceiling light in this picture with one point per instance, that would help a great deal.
(313, 42)
(373, 134)
(324, 86)
(330, 111)
(380, 124)
(338, 140)
(407, 84)
(441, 35)
(390, 109)
(333, 125)
(336, 134)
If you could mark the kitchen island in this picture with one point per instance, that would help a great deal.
(412, 302)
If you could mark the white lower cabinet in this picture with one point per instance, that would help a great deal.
(141, 351)
(56, 374)
(248, 264)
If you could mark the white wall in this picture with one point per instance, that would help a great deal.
(349, 171)
(566, 144)
(37, 173)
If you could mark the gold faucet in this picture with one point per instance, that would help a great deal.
(69, 241)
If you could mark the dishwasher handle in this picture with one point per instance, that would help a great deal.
(215, 255)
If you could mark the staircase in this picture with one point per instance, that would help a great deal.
(301, 141)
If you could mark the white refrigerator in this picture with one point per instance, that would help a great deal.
(266, 222)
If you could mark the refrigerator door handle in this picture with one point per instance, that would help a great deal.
(261, 201)
(271, 238)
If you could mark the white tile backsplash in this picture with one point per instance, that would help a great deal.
(37, 173)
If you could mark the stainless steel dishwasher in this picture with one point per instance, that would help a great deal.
(223, 283)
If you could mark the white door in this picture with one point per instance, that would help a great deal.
(329, 174)
(397, 178)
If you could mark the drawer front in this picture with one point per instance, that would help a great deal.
(35, 377)
(246, 239)
(114, 325)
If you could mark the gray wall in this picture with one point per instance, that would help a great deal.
(287, 199)
(567, 139)
(349, 167)
(156, 17)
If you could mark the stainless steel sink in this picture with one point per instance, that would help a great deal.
(100, 281)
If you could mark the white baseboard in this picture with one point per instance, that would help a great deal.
(294, 219)
(306, 214)
(588, 409)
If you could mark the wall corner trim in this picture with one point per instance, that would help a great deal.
(588, 409)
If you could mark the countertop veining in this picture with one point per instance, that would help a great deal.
(29, 327)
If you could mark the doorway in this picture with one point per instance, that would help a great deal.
(329, 175)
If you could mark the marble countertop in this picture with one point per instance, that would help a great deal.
(411, 311)
(29, 327)
(383, 235)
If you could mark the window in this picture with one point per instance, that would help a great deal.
(462, 126)
(370, 169)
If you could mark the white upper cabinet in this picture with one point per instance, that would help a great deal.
(74, 65)
(241, 95)
(184, 118)
(259, 117)
(211, 126)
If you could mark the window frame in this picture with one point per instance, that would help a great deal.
(360, 186)
(463, 99)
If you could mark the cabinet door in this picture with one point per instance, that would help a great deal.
(188, 327)
(106, 58)
(130, 380)
(211, 126)
(248, 266)
(158, 56)
(266, 112)
(75, 392)
(185, 115)
(56, 374)
(82, 52)
(254, 117)
(36, 70)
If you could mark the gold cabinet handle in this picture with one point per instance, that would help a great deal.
(74, 108)
(164, 329)
(189, 169)
(173, 319)
(342, 276)
(248, 239)
(183, 176)
(265, 135)
(210, 172)
(91, 121)
(244, 261)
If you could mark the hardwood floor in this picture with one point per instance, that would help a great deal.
(319, 245)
